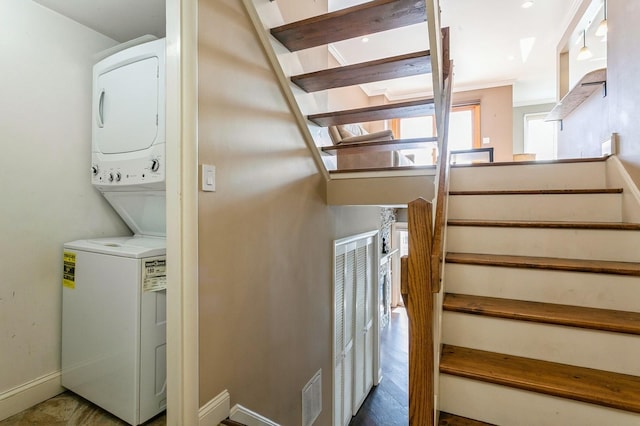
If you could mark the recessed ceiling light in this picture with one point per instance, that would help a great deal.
(527, 4)
(365, 39)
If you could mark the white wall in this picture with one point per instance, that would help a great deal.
(47, 198)
(595, 120)
(623, 84)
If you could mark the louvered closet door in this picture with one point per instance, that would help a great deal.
(344, 319)
(363, 350)
(354, 314)
(370, 304)
(338, 374)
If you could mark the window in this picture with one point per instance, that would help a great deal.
(540, 137)
(464, 132)
(464, 127)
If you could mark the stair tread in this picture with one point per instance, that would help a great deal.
(447, 419)
(559, 264)
(545, 224)
(539, 191)
(419, 169)
(534, 162)
(604, 388)
(548, 313)
(375, 113)
(229, 422)
(355, 21)
(366, 72)
(392, 145)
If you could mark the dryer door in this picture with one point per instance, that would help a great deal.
(126, 107)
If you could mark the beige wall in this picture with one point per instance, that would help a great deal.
(496, 118)
(265, 235)
(47, 196)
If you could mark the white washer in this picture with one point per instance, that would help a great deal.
(114, 324)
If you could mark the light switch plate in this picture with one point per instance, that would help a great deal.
(208, 177)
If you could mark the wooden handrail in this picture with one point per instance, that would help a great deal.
(437, 252)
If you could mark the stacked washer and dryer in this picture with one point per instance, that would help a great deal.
(114, 289)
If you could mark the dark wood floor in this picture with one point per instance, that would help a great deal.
(388, 403)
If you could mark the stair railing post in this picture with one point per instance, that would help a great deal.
(416, 283)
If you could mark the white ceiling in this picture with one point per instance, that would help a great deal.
(121, 20)
(485, 40)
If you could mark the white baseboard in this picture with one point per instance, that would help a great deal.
(214, 411)
(29, 394)
(248, 417)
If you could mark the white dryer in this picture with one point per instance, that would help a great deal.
(114, 289)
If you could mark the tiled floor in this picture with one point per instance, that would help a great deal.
(388, 403)
(68, 409)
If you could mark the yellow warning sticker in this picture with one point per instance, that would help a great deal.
(69, 273)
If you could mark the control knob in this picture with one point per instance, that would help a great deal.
(110, 177)
(94, 170)
(155, 165)
(118, 177)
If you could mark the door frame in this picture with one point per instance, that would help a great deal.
(182, 212)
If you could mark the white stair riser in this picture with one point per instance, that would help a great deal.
(535, 176)
(506, 406)
(575, 207)
(603, 291)
(566, 345)
(623, 246)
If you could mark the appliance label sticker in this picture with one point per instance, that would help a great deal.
(69, 272)
(154, 275)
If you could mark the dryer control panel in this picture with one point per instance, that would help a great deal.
(116, 174)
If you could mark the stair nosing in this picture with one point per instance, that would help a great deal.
(387, 169)
(608, 320)
(613, 226)
(450, 419)
(323, 33)
(545, 263)
(409, 64)
(534, 162)
(573, 381)
(539, 191)
(392, 145)
(359, 115)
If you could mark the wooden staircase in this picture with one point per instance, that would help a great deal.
(541, 310)
(364, 19)
(360, 20)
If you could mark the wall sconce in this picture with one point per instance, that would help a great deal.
(584, 52)
(602, 28)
